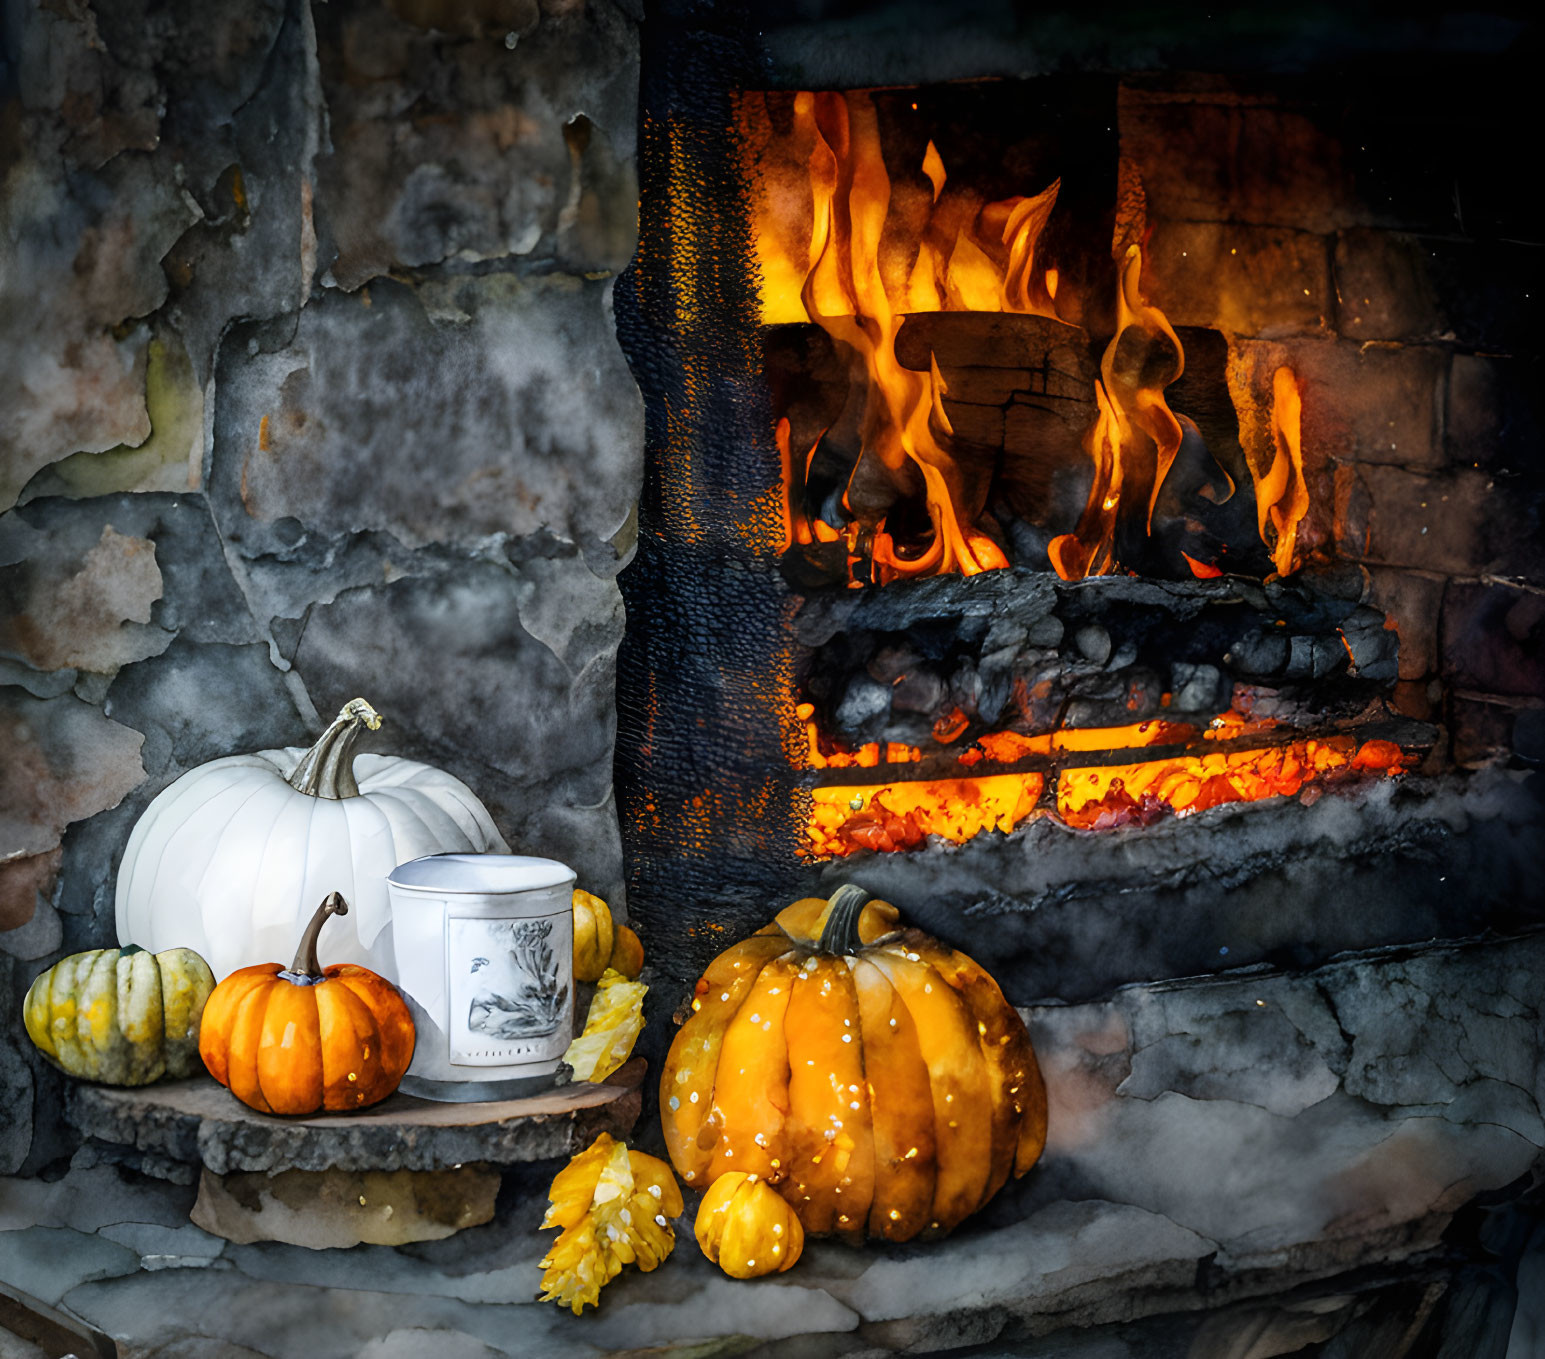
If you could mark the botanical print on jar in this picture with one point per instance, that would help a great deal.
(510, 995)
(533, 1005)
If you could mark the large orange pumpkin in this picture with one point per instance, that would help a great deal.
(875, 1077)
(293, 1042)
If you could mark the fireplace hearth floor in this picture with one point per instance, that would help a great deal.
(1260, 1152)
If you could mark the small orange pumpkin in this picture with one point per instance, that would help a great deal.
(875, 1077)
(293, 1042)
(746, 1228)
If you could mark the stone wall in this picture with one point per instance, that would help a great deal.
(312, 390)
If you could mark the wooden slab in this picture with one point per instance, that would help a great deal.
(198, 1122)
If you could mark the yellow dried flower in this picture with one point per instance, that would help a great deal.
(612, 1025)
(615, 1207)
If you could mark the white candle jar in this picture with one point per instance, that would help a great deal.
(484, 945)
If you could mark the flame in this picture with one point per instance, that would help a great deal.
(850, 286)
(1282, 497)
(866, 264)
(1135, 435)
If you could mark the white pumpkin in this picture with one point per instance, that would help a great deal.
(232, 858)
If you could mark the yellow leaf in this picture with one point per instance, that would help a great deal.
(612, 1026)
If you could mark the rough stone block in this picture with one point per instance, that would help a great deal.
(196, 702)
(127, 126)
(340, 1208)
(1494, 417)
(16, 1083)
(170, 459)
(501, 674)
(1494, 639)
(1246, 280)
(25, 883)
(64, 762)
(1412, 602)
(1225, 155)
(459, 137)
(1383, 287)
(483, 405)
(1373, 405)
(1480, 733)
(198, 599)
(254, 254)
(1455, 524)
(82, 611)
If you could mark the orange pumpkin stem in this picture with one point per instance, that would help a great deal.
(841, 933)
(305, 970)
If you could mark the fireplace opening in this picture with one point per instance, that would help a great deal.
(968, 379)
(1060, 513)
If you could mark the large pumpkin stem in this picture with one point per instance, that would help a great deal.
(305, 970)
(841, 933)
(327, 769)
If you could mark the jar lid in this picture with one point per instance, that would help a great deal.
(482, 874)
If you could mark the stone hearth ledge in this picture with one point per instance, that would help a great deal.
(1212, 1141)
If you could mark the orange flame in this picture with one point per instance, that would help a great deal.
(850, 287)
(1282, 498)
(1135, 435)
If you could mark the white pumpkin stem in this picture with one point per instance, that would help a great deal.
(327, 769)
(306, 970)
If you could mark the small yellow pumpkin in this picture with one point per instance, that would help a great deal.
(747, 1228)
(594, 936)
(122, 1017)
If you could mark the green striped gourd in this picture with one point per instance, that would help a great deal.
(122, 1017)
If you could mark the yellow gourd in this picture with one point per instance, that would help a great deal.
(747, 1228)
(594, 936)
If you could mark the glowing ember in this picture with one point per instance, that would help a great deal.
(1004, 747)
(1139, 794)
(900, 816)
(997, 747)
